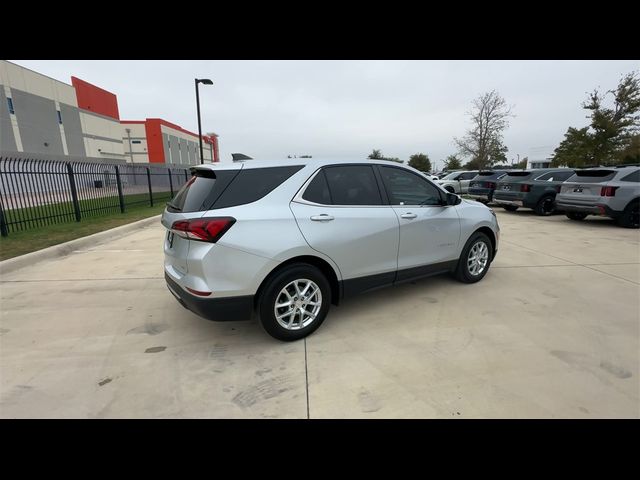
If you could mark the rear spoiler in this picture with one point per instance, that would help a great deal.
(237, 157)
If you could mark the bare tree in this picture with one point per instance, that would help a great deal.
(483, 142)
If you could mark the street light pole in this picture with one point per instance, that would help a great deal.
(205, 81)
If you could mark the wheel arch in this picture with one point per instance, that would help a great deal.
(492, 237)
(321, 264)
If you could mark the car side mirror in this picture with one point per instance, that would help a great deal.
(453, 199)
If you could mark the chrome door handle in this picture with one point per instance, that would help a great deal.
(322, 218)
(408, 215)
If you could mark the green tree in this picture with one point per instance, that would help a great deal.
(376, 155)
(452, 162)
(483, 141)
(631, 153)
(611, 131)
(576, 150)
(421, 162)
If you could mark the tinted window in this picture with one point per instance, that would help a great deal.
(467, 176)
(353, 185)
(592, 176)
(201, 190)
(318, 190)
(555, 176)
(252, 184)
(406, 188)
(632, 177)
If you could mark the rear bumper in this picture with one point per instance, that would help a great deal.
(515, 203)
(218, 309)
(603, 210)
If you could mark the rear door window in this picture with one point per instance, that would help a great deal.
(353, 185)
(632, 177)
(555, 176)
(252, 184)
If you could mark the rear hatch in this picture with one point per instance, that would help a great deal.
(511, 184)
(192, 201)
(486, 179)
(584, 187)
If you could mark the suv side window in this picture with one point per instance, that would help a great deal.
(632, 177)
(353, 185)
(555, 176)
(318, 190)
(407, 188)
(467, 176)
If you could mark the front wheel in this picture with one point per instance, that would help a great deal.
(294, 302)
(510, 208)
(576, 215)
(475, 259)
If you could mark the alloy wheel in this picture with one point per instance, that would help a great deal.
(298, 304)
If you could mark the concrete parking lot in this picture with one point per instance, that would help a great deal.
(551, 332)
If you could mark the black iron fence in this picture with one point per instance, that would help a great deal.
(36, 193)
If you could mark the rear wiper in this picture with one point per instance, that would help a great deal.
(175, 207)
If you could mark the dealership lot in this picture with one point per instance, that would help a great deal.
(553, 331)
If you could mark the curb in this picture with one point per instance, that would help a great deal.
(62, 249)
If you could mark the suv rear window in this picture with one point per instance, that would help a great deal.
(592, 176)
(252, 184)
(202, 189)
(555, 176)
(519, 174)
(213, 189)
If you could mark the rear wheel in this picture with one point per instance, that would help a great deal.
(545, 206)
(510, 208)
(576, 215)
(294, 302)
(630, 218)
(475, 259)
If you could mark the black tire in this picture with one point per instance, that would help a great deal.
(272, 290)
(510, 208)
(462, 272)
(630, 218)
(545, 206)
(576, 215)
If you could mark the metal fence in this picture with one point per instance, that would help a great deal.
(35, 193)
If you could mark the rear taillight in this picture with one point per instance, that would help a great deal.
(525, 187)
(491, 185)
(203, 229)
(608, 191)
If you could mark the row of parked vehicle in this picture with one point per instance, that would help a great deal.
(605, 191)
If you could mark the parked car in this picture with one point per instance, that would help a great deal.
(612, 192)
(287, 239)
(535, 189)
(482, 186)
(457, 182)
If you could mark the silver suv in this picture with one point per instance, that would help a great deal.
(610, 191)
(458, 182)
(287, 239)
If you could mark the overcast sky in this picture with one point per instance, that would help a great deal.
(344, 109)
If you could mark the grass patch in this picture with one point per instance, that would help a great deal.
(19, 243)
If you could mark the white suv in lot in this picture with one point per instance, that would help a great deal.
(457, 182)
(287, 239)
